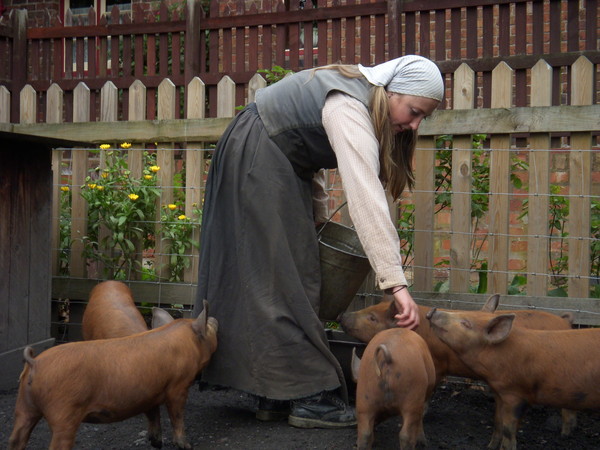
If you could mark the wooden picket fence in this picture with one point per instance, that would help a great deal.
(527, 132)
(213, 38)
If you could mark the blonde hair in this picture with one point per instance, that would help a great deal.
(396, 151)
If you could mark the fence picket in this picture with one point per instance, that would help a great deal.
(165, 160)
(256, 82)
(4, 105)
(499, 185)
(195, 160)
(137, 111)
(539, 176)
(54, 114)
(424, 200)
(226, 97)
(81, 103)
(79, 222)
(108, 113)
(109, 97)
(460, 240)
(580, 163)
(28, 108)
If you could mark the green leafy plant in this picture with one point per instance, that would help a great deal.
(121, 209)
(64, 244)
(177, 233)
(480, 169)
(595, 248)
(406, 220)
(275, 74)
(125, 219)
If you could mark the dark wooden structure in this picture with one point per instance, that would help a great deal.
(25, 272)
(237, 38)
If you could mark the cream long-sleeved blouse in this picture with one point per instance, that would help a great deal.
(352, 137)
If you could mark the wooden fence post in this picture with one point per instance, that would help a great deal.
(460, 239)
(502, 87)
(394, 8)
(539, 188)
(194, 40)
(194, 170)
(580, 163)
(81, 113)
(54, 109)
(19, 56)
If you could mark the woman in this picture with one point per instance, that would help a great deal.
(259, 257)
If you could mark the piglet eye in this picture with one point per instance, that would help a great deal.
(372, 318)
(466, 324)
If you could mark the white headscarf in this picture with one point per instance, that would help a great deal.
(411, 74)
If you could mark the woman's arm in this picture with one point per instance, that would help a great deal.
(348, 126)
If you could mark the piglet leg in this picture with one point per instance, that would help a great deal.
(154, 428)
(24, 424)
(175, 407)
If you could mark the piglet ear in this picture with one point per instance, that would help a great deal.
(355, 365)
(492, 303)
(199, 325)
(160, 317)
(391, 313)
(498, 329)
(568, 316)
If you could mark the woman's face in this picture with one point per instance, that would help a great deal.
(407, 111)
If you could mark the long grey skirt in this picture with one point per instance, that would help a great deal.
(259, 270)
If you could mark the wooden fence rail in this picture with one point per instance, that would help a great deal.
(510, 244)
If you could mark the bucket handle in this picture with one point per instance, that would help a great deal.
(331, 217)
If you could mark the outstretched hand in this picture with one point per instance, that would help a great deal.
(408, 317)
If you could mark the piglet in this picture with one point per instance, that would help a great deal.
(111, 312)
(396, 376)
(110, 380)
(365, 323)
(523, 366)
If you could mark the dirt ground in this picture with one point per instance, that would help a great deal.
(459, 417)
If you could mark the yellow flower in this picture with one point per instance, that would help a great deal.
(126, 145)
(64, 188)
(134, 197)
(154, 169)
(148, 177)
(104, 174)
(182, 217)
(171, 206)
(91, 185)
(100, 188)
(104, 146)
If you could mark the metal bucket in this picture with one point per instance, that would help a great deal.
(344, 267)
